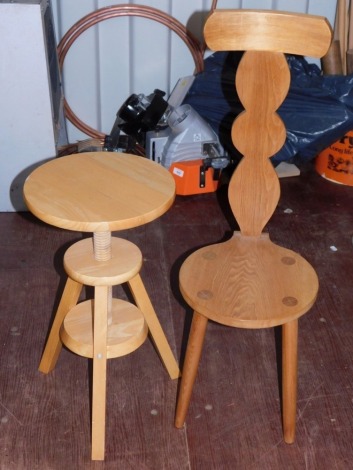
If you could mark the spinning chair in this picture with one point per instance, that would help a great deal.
(248, 281)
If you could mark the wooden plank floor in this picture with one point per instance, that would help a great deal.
(234, 419)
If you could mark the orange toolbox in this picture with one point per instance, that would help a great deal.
(194, 177)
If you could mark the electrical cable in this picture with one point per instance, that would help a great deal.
(102, 14)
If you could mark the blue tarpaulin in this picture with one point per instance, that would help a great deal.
(317, 111)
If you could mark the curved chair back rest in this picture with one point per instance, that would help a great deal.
(266, 30)
(262, 83)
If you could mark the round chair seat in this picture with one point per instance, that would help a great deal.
(125, 263)
(248, 282)
(127, 331)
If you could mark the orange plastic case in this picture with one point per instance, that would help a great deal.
(336, 162)
(191, 178)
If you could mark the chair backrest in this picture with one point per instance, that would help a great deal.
(262, 83)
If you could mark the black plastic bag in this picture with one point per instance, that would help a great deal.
(317, 111)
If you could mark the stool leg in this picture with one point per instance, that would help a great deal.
(53, 346)
(192, 359)
(289, 373)
(99, 371)
(144, 304)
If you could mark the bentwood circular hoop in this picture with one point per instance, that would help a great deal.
(114, 11)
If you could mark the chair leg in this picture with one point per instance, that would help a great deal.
(289, 378)
(53, 346)
(100, 326)
(144, 304)
(192, 359)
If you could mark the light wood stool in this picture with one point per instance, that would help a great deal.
(73, 192)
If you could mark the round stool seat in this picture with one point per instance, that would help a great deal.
(127, 331)
(125, 263)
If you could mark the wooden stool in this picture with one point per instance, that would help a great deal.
(101, 328)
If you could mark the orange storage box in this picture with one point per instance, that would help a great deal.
(191, 177)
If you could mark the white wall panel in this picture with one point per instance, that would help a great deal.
(265, 4)
(298, 6)
(128, 55)
(318, 7)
